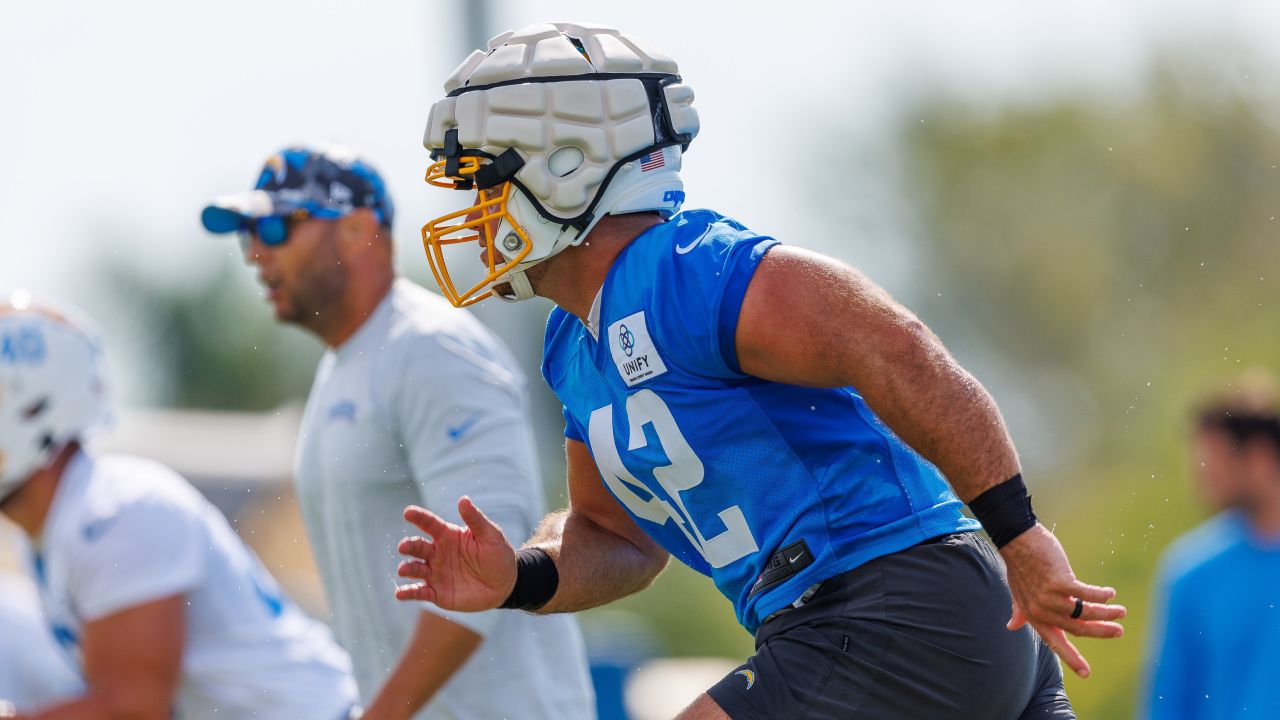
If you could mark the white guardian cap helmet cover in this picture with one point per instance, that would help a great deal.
(554, 126)
(52, 385)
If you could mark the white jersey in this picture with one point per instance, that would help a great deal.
(34, 673)
(421, 406)
(124, 531)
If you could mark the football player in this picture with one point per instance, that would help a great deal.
(414, 402)
(144, 584)
(766, 414)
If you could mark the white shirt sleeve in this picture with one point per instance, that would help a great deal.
(33, 673)
(143, 551)
(461, 417)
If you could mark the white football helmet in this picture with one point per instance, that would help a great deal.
(554, 127)
(52, 385)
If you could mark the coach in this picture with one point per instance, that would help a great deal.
(415, 402)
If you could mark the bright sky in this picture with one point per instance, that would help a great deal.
(120, 119)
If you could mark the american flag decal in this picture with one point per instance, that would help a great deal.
(652, 161)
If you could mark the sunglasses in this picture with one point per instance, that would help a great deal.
(272, 230)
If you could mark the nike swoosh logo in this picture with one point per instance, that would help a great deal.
(344, 410)
(682, 249)
(797, 557)
(461, 428)
(96, 529)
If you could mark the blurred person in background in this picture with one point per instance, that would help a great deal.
(415, 402)
(708, 378)
(33, 670)
(143, 582)
(1215, 643)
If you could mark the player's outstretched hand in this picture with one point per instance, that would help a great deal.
(458, 568)
(1044, 596)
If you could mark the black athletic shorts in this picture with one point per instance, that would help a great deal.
(917, 635)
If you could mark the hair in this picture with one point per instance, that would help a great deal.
(1247, 411)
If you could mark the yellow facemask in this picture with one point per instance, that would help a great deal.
(478, 224)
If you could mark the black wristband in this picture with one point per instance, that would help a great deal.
(1005, 510)
(536, 580)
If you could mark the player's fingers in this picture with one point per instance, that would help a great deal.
(416, 591)
(1096, 611)
(1090, 611)
(1057, 641)
(1092, 593)
(1018, 618)
(1096, 629)
(418, 547)
(481, 526)
(426, 521)
(414, 569)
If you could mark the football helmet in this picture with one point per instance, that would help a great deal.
(52, 386)
(553, 127)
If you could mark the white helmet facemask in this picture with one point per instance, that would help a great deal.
(52, 385)
(555, 127)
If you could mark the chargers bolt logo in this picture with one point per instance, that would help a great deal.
(750, 676)
(626, 340)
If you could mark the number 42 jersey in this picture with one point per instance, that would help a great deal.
(767, 488)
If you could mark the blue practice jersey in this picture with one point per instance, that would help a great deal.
(722, 468)
(1215, 641)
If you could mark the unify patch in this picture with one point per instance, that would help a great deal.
(633, 350)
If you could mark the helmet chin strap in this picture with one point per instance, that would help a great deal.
(521, 288)
(517, 277)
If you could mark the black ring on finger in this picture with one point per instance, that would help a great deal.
(1075, 614)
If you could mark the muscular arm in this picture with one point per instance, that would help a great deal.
(841, 329)
(131, 663)
(600, 553)
(436, 650)
(809, 320)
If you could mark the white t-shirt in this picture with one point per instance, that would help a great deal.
(123, 531)
(421, 406)
(34, 672)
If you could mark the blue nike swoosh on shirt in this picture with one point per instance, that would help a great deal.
(97, 528)
(458, 430)
(343, 410)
